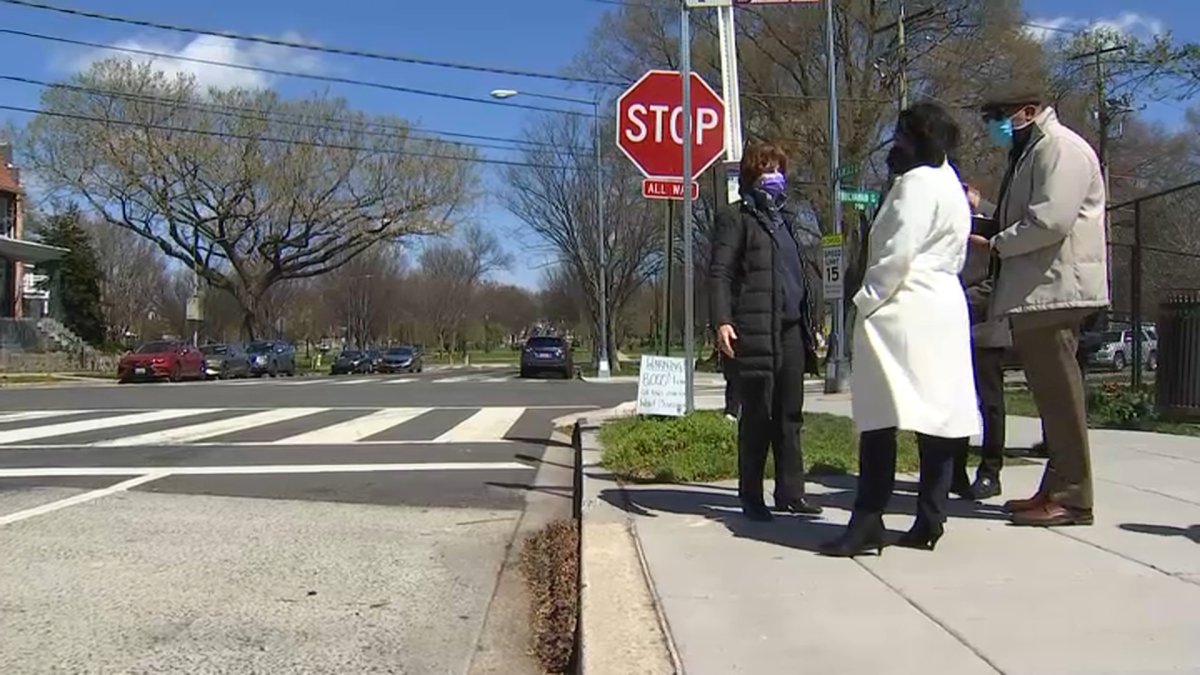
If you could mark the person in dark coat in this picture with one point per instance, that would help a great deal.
(765, 279)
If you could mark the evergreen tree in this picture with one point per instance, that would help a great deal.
(79, 275)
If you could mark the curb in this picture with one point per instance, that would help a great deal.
(621, 628)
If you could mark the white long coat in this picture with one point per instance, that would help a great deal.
(912, 338)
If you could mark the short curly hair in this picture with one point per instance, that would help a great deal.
(757, 158)
(930, 131)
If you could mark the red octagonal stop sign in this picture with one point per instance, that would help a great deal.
(650, 124)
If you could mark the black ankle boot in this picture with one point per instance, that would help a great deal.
(759, 513)
(923, 536)
(863, 534)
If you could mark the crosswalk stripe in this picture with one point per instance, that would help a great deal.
(33, 433)
(356, 429)
(36, 415)
(196, 432)
(453, 380)
(403, 380)
(365, 380)
(486, 425)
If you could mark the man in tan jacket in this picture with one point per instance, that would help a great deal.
(1052, 275)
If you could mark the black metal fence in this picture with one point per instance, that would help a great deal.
(1154, 252)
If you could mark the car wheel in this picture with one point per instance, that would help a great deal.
(1119, 362)
(524, 374)
(176, 375)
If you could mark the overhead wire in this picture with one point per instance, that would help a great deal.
(283, 141)
(291, 73)
(292, 44)
(385, 130)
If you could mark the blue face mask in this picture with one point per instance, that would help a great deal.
(773, 183)
(1001, 132)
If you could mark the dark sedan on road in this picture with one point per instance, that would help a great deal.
(400, 360)
(547, 354)
(351, 362)
(271, 357)
(165, 360)
(223, 362)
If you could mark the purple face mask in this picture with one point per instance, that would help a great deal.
(773, 183)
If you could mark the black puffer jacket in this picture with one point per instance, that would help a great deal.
(746, 291)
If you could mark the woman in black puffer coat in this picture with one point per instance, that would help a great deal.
(765, 279)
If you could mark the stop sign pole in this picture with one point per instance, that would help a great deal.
(689, 273)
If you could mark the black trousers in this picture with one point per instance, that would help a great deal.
(877, 473)
(989, 389)
(731, 402)
(772, 414)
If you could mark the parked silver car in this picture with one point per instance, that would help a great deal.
(1115, 350)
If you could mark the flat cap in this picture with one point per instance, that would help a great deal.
(1012, 94)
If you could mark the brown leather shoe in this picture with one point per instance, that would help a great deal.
(1018, 505)
(1050, 514)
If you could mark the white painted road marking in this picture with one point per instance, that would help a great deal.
(33, 433)
(37, 415)
(251, 469)
(148, 475)
(487, 424)
(196, 432)
(355, 430)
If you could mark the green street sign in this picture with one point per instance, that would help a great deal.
(847, 171)
(859, 197)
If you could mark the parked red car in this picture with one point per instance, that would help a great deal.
(165, 360)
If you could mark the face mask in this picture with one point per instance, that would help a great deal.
(1001, 132)
(773, 183)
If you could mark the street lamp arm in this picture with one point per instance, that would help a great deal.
(510, 93)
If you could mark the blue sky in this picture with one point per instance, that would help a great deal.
(539, 35)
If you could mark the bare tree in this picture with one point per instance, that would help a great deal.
(450, 275)
(281, 190)
(555, 196)
(505, 308)
(359, 297)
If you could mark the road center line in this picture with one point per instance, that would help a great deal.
(86, 497)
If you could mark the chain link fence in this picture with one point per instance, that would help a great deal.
(1154, 253)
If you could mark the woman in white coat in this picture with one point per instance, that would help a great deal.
(912, 343)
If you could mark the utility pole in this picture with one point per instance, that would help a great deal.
(669, 249)
(1103, 122)
(903, 46)
(837, 368)
(689, 286)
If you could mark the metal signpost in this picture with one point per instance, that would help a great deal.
(672, 137)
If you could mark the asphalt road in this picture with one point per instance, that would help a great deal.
(323, 525)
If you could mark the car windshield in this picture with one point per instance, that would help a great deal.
(400, 351)
(1111, 336)
(215, 350)
(351, 355)
(260, 347)
(545, 343)
(156, 347)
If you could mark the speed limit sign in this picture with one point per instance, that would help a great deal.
(832, 268)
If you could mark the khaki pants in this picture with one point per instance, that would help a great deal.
(1047, 342)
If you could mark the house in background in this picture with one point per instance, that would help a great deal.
(25, 290)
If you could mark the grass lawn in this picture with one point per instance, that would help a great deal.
(703, 447)
(1019, 402)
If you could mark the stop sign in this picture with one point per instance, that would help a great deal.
(650, 124)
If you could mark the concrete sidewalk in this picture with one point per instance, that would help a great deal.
(1122, 596)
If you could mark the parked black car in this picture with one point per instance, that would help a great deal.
(351, 362)
(225, 361)
(547, 354)
(271, 357)
(401, 360)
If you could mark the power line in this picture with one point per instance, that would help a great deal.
(282, 141)
(242, 112)
(342, 51)
(290, 73)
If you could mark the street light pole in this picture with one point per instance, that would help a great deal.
(602, 367)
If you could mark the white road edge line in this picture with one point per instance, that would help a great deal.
(86, 497)
(153, 473)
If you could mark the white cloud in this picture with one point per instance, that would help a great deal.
(1128, 23)
(216, 50)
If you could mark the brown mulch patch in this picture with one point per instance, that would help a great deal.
(550, 561)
